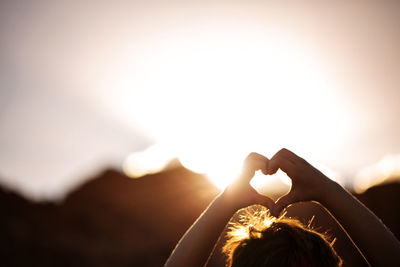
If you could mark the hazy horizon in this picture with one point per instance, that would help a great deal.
(85, 85)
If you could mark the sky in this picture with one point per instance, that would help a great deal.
(85, 86)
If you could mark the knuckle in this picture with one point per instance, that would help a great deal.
(283, 151)
(251, 155)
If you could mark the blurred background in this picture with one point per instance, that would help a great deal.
(121, 120)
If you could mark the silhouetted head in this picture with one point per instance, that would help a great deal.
(260, 240)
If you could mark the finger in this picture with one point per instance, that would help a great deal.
(253, 163)
(274, 162)
(256, 161)
(291, 156)
(265, 170)
(282, 203)
(283, 163)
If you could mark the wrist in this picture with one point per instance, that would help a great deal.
(230, 200)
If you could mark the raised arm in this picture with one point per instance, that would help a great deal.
(377, 244)
(197, 244)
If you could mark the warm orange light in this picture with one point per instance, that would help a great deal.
(213, 97)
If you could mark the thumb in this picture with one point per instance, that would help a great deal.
(282, 203)
(265, 201)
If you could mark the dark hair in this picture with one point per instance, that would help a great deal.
(261, 240)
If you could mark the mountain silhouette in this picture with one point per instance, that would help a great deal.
(114, 220)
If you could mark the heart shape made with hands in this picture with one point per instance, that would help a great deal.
(256, 162)
(308, 183)
(295, 167)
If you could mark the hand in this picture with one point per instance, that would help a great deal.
(240, 193)
(308, 183)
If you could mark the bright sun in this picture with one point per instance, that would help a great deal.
(213, 97)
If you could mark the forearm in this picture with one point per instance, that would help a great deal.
(198, 242)
(368, 233)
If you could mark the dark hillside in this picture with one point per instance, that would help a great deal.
(113, 220)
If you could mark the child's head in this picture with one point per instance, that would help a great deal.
(259, 240)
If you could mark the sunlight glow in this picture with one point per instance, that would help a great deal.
(151, 160)
(213, 97)
(387, 169)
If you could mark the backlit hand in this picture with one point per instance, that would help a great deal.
(308, 184)
(240, 193)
